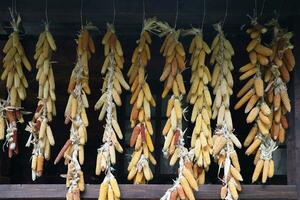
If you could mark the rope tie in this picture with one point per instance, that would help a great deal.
(267, 147)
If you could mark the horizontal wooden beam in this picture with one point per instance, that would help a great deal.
(57, 191)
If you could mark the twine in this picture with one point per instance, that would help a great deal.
(267, 147)
(15, 20)
(150, 25)
(227, 163)
(184, 155)
(74, 136)
(192, 31)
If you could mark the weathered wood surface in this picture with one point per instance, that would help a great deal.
(65, 24)
(58, 191)
(65, 15)
(296, 104)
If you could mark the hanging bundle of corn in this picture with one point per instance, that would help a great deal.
(12, 62)
(282, 55)
(73, 150)
(40, 132)
(263, 161)
(253, 93)
(185, 183)
(276, 76)
(222, 81)
(16, 82)
(109, 188)
(111, 91)
(199, 96)
(174, 52)
(43, 54)
(41, 138)
(141, 99)
(224, 140)
(9, 117)
(226, 156)
(172, 49)
(282, 62)
(85, 48)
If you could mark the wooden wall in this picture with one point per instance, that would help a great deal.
(65, 22)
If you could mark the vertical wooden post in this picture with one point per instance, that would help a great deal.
(291, 131)
(296, 103)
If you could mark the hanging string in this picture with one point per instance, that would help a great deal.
(12, 7)
(46, 12)
(262, 8)
(176, 17)
(15, 8)
(114, 17)
(279, 9)
(144, 14)
(226, 12)
(255, 9)
(204, 14)
(81, 8)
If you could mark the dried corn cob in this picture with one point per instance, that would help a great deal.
(224, 140)
(199, 96)
(264, 164)
(226, 156)
(109, 188)
(141, 100)
(9, 117)
(85, 49)
(253, 93)
(41, 136)
(281, 62)
(185, 183)
(2, 119)
(73, 150)
(276, 75)
(111, 91)
(222, 81)
(14, 59)
(174, 52)
(43, 53)
(16, 83)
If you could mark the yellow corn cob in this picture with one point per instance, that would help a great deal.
(190, 178)
(233, 190)
(115, 187)
(265, 171)
(253, 146)
(271, 169)
(235, 173)
(257, 171)
(187, 189)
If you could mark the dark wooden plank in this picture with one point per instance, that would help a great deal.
(57, 191)
(65, 17)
